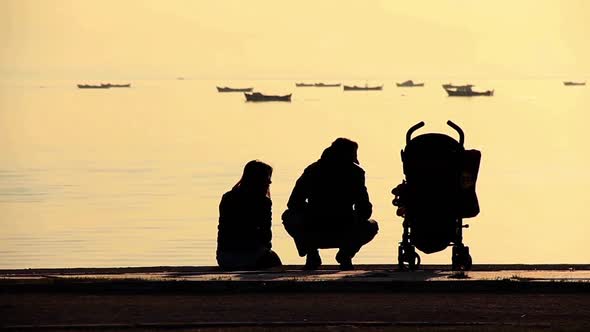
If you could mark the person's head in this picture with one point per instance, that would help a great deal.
(256, 178)
(342, 150)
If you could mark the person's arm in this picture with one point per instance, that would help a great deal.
(362, 205)
(298, 198)
(265, 230)
(226, 214)
(225, 211)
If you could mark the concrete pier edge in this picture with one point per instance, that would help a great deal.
(554, 278)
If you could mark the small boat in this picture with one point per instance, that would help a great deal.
(103, 86)
(466, 91)
(362, 88)
(409, 84)
(301, 85)
(569, 83)
(325, 85)
(90, 86)
(452, 86)
(228, 89)
(257, 96)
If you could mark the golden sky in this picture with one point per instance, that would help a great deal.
(294, 39)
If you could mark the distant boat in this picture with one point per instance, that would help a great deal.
(300, 85)
(257, 96)
(228, 89)
(180, 78)
(466, 91)
(452, 86)
(103, 86)
(568, 83)
(362, 88)
(90, 86)
(325, 85)
(409, 84)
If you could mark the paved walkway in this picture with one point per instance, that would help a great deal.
(372, 297)
(364, 276)
(361, 273)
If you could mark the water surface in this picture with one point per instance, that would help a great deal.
(133, 177)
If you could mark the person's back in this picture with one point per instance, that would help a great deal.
(331, 195)
(245, 219)
(329, 206)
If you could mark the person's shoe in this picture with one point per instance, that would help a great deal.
(344, 261)
(313, 260)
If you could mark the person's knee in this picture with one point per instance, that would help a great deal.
(293, 222)
(290, 219)
(287, 216)
(274, 258)
(372, 227)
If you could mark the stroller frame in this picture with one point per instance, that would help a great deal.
(408, 258)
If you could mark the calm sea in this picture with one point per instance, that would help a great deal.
(133, 177)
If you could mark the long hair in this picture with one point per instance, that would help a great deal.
(255, 178)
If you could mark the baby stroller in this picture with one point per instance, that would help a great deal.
(437, 193)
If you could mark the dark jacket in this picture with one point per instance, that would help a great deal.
(244, 221)
(331, 194)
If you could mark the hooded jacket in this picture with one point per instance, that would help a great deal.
(331, 192)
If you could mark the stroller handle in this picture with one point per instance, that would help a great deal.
(412, 130)
(459, 130)
(421, 124)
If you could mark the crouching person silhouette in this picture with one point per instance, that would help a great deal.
(244, 232)
(330, 208)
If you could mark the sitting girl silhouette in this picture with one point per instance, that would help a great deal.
(245, 219)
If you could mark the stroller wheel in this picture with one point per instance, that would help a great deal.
(415, 261)
(461, 258)
(408, 260)
(462, 262)
(468, 263)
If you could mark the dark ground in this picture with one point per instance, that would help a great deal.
(557, 311)
(304, 305)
